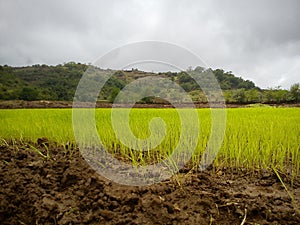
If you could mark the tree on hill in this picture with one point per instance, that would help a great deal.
(295, 92)
(29, 94)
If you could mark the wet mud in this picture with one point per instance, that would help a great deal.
(55, 185)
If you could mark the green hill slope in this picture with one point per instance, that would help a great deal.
(43, 82)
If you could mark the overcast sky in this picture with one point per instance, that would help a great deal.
(258, 40)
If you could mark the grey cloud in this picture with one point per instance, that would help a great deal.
(258, 40)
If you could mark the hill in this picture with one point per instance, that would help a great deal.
(43, 82)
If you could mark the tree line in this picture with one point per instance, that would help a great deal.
(44, 82)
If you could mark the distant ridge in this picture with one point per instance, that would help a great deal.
(59, 83)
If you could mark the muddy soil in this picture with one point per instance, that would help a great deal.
(63, 189)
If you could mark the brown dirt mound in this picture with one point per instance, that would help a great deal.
(19, 104)
(65, 190)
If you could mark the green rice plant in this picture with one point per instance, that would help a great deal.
(287, 190)
(31, 124)
(259, 138)
(45, 156)
(255, 138)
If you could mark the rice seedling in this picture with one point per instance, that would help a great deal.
(255, 137)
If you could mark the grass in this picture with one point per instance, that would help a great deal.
(254, 138)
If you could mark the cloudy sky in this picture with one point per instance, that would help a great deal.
(258, 40)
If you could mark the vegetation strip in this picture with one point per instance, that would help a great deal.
(254, 138)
